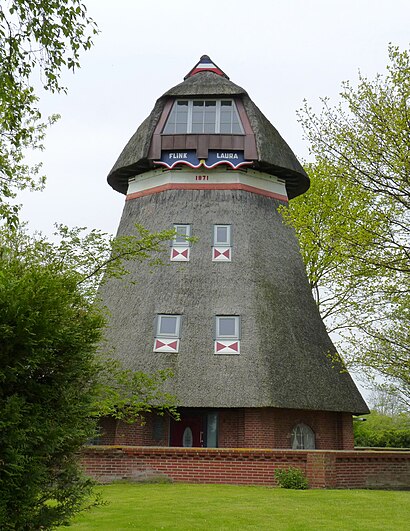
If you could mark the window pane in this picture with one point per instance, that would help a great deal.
(169, 129)
(225, 128)
(182, 105)
(221, 234)
(182, 233)
(226, 117)
(187, 438)
(182, 229)
(209, 128)
(226, 104)
(236, 129)
(168, 325)
(210, 104)
(182, 118)
(227, 326)
(180, 128)
(197, 128)
(210, 118)
(212, 430)
(198, 103)
(197, 117)
(303, 438)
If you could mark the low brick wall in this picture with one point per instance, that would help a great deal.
(323, 468)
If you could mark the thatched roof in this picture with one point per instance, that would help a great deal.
(273, 154)
(286, 353)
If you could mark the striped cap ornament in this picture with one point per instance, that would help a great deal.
(205, 64)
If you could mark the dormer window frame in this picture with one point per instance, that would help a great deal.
(190, 114)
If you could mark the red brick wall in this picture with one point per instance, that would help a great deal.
(153, 432)
(244, 428)
(324, 469)
(333, 431)
(231, 428)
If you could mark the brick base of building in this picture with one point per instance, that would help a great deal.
(241, 428)
(323, 468)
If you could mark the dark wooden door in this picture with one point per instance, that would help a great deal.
(187, 432)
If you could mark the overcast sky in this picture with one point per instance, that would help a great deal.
(280, 51)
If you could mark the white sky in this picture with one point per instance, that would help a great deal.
(280, 51)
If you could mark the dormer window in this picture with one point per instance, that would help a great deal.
(203, 117)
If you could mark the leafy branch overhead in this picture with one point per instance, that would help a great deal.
(354, 223)
(38, 40)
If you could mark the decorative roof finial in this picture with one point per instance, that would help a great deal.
(205, 64)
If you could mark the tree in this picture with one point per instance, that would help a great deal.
(36, 39)
(383, 431)
(52, 383)
(354, 225)
(385, 401)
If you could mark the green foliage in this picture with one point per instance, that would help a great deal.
(383, 431)
(127, 395)
(353, 224)
(92, 257)
(335, 221)
(36, 38)
(48, 333)
(291, 478)
(53, 384)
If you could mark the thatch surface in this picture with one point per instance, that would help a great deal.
(284, 360)
(205, 84)
(274, 155)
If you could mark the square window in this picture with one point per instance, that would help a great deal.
(222, 235)
(182, 233)
(168, 326)
(227, 327)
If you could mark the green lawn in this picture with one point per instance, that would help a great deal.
(152, 507)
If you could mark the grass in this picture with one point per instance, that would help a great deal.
(152, 507)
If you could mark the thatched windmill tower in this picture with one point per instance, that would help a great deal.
(232, 315)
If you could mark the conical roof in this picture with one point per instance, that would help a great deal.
(273, 155)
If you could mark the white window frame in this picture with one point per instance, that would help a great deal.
(237, 333)
(217, 117)
(183, 243)
(160, 334)
(227, 243)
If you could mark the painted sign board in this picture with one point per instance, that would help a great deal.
(233, 158)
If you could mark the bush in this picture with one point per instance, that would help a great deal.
(292, 478)
(384, 439)
(383, 431)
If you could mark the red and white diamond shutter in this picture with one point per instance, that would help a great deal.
(227, 347)
(221, 254)
(166, 345)
(180, 254)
